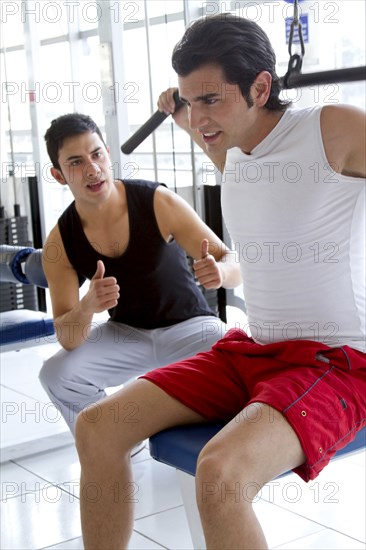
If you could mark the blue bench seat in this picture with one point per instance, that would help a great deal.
(21, 328)
(179, 447)
(24, 326)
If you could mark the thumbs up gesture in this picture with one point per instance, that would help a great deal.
(99, 274)
(207, 270)
(103, 291)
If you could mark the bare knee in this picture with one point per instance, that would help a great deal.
(220, 479)
(211, 465)
(88, 434)
(217, 464)
(98, 438)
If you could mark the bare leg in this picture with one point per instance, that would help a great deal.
(251, 450)
(105, 434)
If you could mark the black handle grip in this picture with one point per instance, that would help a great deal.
(146, 129)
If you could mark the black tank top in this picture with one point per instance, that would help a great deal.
(157, 288)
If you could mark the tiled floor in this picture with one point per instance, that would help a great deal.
(39, 500)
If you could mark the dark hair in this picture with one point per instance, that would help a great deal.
(64, 127)
(239, 46)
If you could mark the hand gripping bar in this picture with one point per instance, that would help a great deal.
(146, 129)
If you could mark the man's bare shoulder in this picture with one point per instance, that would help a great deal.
(334, 115)
(344, 133)
(163, 193)
(167, 200)
(53, 239)
(53, 251)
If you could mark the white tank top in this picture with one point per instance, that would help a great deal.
(299, 231)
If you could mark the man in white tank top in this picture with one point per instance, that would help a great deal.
(294, 392)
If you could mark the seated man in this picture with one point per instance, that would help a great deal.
(292, 394)
(130, 239)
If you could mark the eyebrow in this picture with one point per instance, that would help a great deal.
(201, 97)
(75, 157)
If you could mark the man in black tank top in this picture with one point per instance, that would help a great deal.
(130, 239)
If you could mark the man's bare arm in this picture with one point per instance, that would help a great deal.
(73, 316)
(215, 264)
(344, 137)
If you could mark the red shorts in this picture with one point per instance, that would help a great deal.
(320, 390)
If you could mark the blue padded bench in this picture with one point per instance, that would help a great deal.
(20, 328)
(179, 447)
(23, 327)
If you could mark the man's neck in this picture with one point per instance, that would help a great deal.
(107, 212)
(264, 125)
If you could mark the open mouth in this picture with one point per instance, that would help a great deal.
(210, 137)
(95, 186)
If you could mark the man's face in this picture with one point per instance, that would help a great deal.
(85, 167)
(217, 109)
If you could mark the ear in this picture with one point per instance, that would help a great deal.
(261, 88)
(57, 174)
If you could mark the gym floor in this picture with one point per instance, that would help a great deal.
(40, 484)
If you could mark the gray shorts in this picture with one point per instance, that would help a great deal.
(116, 353)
